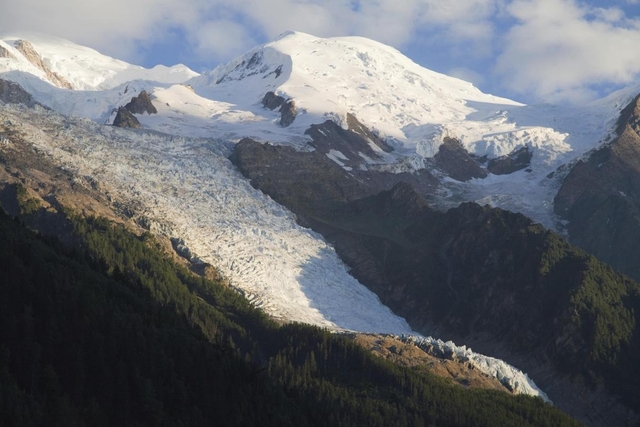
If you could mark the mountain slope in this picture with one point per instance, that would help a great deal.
(478, 275)
(601, 197)
(110, 333)
(411, 109)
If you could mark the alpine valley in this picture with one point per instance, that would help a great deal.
(300, 236)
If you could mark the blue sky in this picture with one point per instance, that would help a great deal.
(560, 51)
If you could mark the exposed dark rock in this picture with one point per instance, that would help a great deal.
(181, 248)
(512, 162)
(141, 104)
(124, 119)
(355, 145)
(255, 65)
(27, 50)
(272, 101)
(287, 108)
(453, 159)
(310, 183)
(13, 93)
(601, 198)
(4, 53)
(354, 125)
(288, 113)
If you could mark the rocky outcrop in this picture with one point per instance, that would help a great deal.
(287, 108)
(354, 125)
(272, 101)
(601, 198)
(124, 119)
(141, 104)
(354, 147)
(310, 183)
(4, 53)
(512, 162)
(454, 160)
(288, 112)
(13, 93)
(407, 354)
(27, 50)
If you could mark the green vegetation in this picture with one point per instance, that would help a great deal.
(113, 333)
(28, 205)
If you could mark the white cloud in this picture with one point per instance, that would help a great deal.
(561, 49)
(223, 28)
(113, 27)
(554, 50)
(468, 75)
(207, 39)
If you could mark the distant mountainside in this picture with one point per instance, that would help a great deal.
(600, 197)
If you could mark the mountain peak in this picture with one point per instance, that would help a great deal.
(292, 34)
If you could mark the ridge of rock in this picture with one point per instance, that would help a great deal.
(600, 197)
(13, 93)
(456, 161)
(28, 51)
(141, 104)
(124, 119)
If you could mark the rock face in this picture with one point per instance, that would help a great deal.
(124, 119)
(27, 50)
(345, 147)
(288, 113)
(272, 101)
(601, 198)
(287, 108)
(310, 183)
(453, 159)
(407, 354)
(512, 162)
(354, 125)
(4, 53)
(13, 93)
(141, 104)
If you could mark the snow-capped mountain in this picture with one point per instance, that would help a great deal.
(183, 184)
(68, 65)
(411, 108)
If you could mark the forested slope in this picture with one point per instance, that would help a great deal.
(113, 333)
